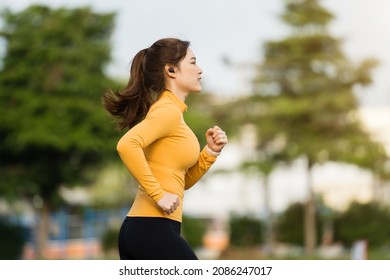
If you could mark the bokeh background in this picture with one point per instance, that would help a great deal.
(300, 86)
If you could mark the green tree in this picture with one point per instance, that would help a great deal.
(53, 126)
(303, 103)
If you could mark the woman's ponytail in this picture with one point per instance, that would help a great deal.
(131, 104)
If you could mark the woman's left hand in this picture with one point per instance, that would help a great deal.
(216, 139)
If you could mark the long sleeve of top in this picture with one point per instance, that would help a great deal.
(163, 155)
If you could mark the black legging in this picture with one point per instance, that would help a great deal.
(148, 238)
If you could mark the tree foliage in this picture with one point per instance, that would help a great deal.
(306, 85)
(53, 126)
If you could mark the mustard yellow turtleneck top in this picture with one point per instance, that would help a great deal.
(163, 155)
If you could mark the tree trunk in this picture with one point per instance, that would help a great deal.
(310, 215)
(269, 234)
(379, 195)
(42, 231)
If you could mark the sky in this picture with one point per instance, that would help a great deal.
(236, 30)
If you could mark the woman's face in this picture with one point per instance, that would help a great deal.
(188, 74)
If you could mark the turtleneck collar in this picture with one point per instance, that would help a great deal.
(183, 107)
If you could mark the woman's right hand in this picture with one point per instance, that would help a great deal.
(169, 202)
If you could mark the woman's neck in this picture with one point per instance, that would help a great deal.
(181, 96)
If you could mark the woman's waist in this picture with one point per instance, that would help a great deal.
(170, 180)
(145, 220)
(144, 206)
(172, 187)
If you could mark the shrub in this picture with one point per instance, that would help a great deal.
(193, 230)
(11, 241)
(367, 221)
(245, 231)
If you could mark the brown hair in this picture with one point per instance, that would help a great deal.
(146, 83)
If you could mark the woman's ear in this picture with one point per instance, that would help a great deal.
(170, 70)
